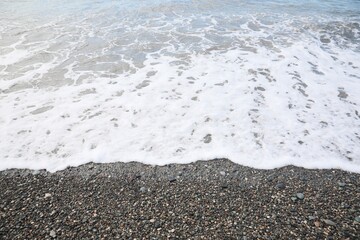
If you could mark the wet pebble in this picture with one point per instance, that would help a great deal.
(207, 138)
(324, 39)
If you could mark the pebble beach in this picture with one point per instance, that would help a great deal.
(215, 199)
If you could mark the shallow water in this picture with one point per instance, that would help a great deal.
(263, 84)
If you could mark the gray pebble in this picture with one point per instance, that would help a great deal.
(260, 88)
(324, 39)
(52, 234)
(224, 186)
(172, 179)
(280, 186)
(300, 196)
(329, 222)
(207, 138)
(341, 184)
(357, 219)
(143, 189)
(157, 224)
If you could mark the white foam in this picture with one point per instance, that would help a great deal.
(176, 93)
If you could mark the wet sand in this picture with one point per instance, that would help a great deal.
(203, 200)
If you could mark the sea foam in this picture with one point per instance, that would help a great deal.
(176, 82)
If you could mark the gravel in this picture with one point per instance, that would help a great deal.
(133, 200)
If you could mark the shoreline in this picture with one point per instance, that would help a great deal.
(201, 200)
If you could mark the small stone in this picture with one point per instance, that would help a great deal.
(172, 230)
(47, 195)
(317, 224)
(271, 178)
(260, 89)
(312, 218)
(52, 234)
(324, 39)
(341, 184)
(293, 199)
(342, 94)
(224, 186)
(157, 224)
(303, 178)
(280, 186)
(329, 222)
(172, 179)
(344, 205)
(357, 219)
(222, 173)
(143, 189)
(152, 220)
(207, 138)
(300, 196)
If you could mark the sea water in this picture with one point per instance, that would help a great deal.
(262, 83)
